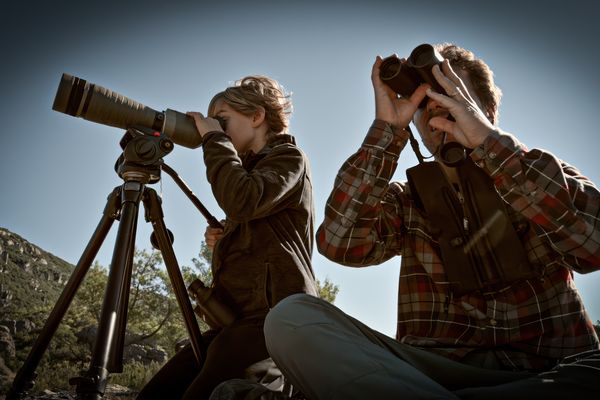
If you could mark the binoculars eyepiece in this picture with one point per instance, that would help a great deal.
(405, 77)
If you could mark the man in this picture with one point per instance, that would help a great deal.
(487, 306)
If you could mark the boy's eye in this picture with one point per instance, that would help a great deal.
(222, 122)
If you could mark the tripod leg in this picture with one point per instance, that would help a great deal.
(24, 378)
(154, 215)
(93, 384)
(115, 363)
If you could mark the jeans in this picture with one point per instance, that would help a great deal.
(329, 355)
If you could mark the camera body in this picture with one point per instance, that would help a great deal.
(405, 77)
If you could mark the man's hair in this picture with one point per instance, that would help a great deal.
(253, 93)
(480, 73)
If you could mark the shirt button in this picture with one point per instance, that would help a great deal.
(493, 322)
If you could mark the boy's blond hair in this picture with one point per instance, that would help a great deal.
(253, 93)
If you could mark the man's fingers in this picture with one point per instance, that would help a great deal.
(453, 86)
(442, 124)
(419, 94)
(445, 101)
(449, 72)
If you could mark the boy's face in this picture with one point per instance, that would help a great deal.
(239, 127)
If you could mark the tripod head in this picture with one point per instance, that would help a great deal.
(142, 157)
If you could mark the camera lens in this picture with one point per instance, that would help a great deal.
(83, 99)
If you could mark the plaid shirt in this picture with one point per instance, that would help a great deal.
(529, 324)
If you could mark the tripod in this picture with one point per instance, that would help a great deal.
(139, 164)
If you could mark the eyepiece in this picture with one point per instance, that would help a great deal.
(453, 154)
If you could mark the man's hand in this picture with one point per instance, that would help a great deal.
(471, 126)
(205, 125)
(211, 236)
(389, 107)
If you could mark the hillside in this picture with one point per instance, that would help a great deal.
(29, 276)
(31, 281)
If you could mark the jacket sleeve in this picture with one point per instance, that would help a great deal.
(562, 204)
(266, 189)
(363, 216)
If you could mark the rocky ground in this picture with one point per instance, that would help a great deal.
(113, 392)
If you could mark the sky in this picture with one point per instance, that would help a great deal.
(57, 171)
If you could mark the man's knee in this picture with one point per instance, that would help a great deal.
(285, 312)
(283, 320)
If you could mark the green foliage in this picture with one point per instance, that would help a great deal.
(135, 375)
(87, 304)
(55, 375)
(327, 290)
(201, 267)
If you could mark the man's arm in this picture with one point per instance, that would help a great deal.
(363, 214)
(563, 205)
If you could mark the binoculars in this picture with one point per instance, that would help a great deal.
(215, 313)
(405, 77)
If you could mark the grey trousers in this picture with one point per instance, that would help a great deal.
(330, 355)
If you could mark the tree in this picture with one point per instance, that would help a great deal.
(201, 267)
(327, 290)
(153, 312)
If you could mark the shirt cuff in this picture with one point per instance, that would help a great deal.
(496, 150)
(383, 136)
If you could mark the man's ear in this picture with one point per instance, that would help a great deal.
(258, 117)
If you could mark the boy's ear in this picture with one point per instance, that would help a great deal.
(258, 117)
(489, 113)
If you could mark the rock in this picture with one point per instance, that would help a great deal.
(112, 392)
(7, 344)
(144, 354)
(6, 377)
(24, 326)
(157, 354)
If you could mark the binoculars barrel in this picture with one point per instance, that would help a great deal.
(405, 77)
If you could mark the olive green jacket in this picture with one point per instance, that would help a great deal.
(265, 252)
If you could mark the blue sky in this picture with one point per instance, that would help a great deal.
(58, 170)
